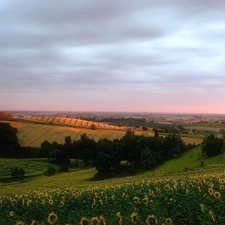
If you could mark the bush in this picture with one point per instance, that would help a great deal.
(212, 146)
(64, 168)
(17, 172)
(51, 170)
(93, 127)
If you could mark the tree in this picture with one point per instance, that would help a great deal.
(144, 128)
(130, 131)
(9, 144)
(212, 146)
(93, 126)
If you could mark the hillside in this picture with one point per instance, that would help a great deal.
(189, 163)
(31, 134)
(32, 130)
(75, 122)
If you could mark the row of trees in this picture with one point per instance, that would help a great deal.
(126, 155)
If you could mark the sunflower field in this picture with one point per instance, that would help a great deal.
(176, 199)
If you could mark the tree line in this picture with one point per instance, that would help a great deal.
(127, 155)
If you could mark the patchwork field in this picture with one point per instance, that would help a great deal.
(33, 134)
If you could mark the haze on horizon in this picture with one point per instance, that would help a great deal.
(129, 55)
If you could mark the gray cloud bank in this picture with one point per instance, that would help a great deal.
(152, 47)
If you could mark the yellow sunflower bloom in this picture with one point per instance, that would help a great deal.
(84, 221)
(11, 213)
(20, 223)
(13, 201)
(217, 194)
(52, 218)
(202, 208)
(62, 203)
(151, 220)
(102, 220)
(145, 200)
(50, 201)
(29, 202)
(134, 217)
(136, 199)
(95, 221)
(210, 191)
(34, 222)
(120, 221)
(169, 221)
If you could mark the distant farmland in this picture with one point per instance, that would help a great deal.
(33, 130)
(30, 134)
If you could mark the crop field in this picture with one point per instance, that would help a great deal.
(70, 122)
(33, 135)
(187, 198)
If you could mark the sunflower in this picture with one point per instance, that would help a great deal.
(75, 195)
(102, 220)
(96, 194)
(34, 222)
(20, 223)
(167, 187)
(217, 194)
(136, 199)
(50, 201)
(118, 215)
(106, 188)
(43, 201)
(222, 181)
(134, 217)
(62, 203)
(145, 200)
(29, 202)
(95, 221)
(169, 221)
(221, 187)
(13, 201)
(101, 202)
(84, 221)
(202, 208)
(52, 218)
(151, 220)
(11, 213)
(120, 221)
(210, 191)
(212, 215)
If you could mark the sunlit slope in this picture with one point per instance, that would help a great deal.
(190, 160)
(75, 122)
(33, 135)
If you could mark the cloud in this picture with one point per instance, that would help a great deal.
(163, 47)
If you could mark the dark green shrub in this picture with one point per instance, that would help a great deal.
(17, 172)
(51, 170)
(64, 168)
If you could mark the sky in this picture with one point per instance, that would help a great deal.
(113, 55)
